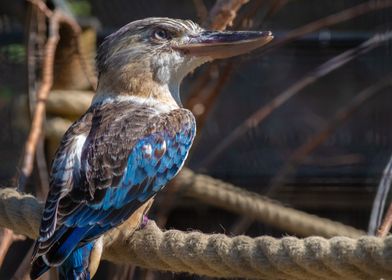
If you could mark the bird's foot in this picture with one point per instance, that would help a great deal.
(144, 222)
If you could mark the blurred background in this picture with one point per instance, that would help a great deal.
(323, 150)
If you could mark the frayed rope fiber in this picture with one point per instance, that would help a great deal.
(218, 255)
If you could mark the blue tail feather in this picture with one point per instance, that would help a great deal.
(66, 244)
(66, 253)
(75, 267)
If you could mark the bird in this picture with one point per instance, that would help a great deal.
(132, 140)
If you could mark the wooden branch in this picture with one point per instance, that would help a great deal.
(386, 224)
(7, 238)
(42, 7)
(223, 13)
(56, 18)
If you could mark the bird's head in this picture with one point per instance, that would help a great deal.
(150, 57)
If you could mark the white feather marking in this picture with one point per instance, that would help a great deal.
(80, 139)
(150, 102)
(46, 260)
(147, 150)
(70, 161)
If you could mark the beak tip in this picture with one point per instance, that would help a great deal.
(269, 34)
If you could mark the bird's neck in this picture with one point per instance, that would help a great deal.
(137, 82)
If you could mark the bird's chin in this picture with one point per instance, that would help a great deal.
(218, 45)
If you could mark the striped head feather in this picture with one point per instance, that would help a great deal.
(148, 58)
(140, 59)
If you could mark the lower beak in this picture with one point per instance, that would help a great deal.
(216, 44)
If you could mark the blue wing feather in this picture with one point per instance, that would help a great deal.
(143, 171)
(92, 205)
(75, 267)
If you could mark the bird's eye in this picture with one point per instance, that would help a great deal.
(161, 34)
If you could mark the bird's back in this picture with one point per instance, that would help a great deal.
(115, 158)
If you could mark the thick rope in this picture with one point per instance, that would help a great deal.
(227, 196)
(68, 103)
(218, 255)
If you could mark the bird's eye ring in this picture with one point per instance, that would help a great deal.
(161, 34)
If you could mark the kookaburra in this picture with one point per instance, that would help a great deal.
(132, 140)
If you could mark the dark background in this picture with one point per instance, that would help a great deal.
(338, 180)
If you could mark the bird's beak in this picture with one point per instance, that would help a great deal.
(224, 44)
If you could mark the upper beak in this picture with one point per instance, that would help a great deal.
(224, 44)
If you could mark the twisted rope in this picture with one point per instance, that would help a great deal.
(227, 196)
(218, 255)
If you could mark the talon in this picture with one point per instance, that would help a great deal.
(144, 222)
